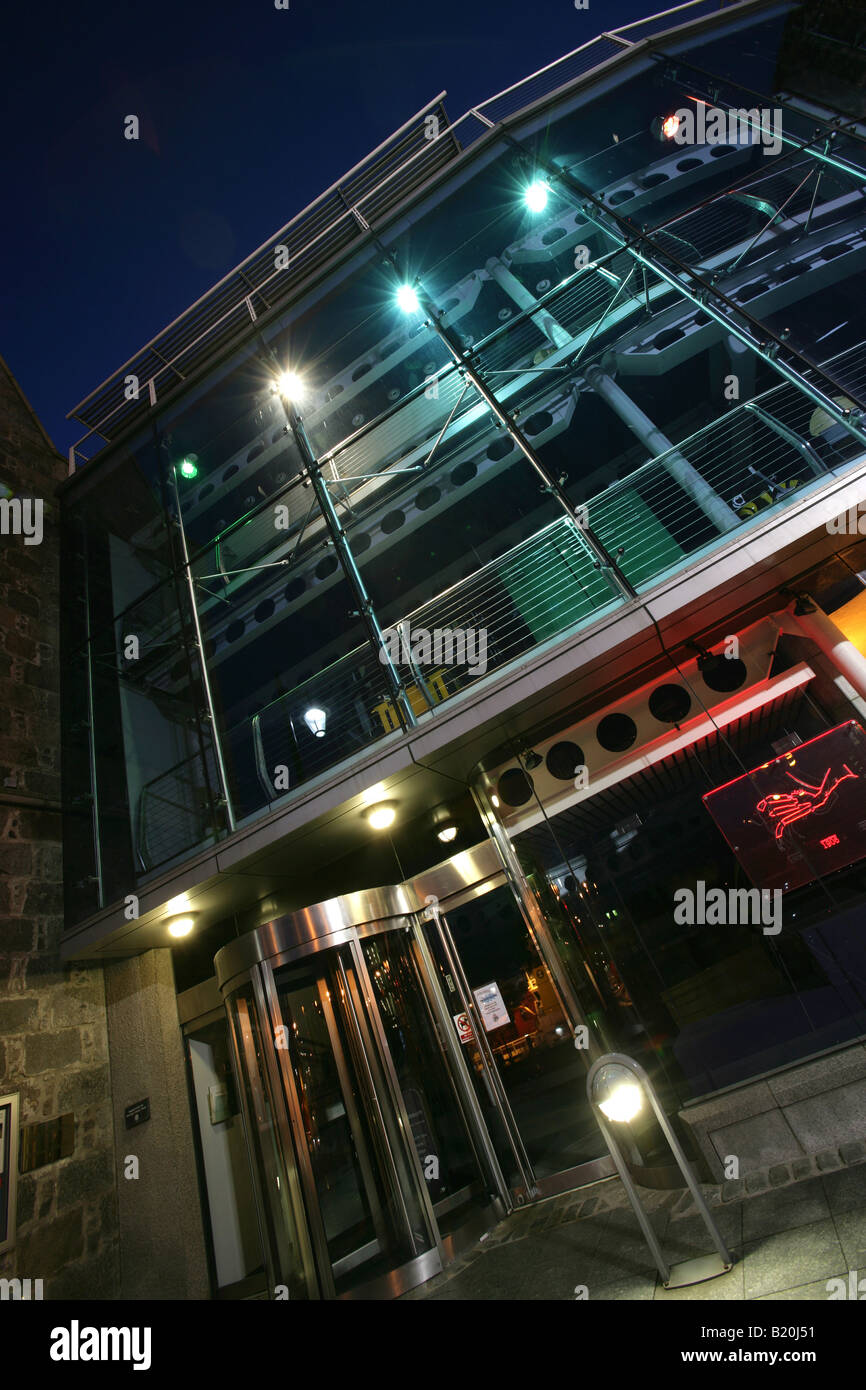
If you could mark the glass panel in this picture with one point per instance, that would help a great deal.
(707, 996)
(490, 1109)
(438, 1129)
(532, 1041)
(362, 1206)
(276, 1170)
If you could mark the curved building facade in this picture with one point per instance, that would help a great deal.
(464, 661)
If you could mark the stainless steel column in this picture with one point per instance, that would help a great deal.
(690, 480)
(347, 561)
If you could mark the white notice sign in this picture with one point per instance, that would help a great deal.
(491, 1006)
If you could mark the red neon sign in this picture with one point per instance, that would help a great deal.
(787, 807)
(801, 814)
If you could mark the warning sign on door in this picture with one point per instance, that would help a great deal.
(464, 1028)
(492, 1006)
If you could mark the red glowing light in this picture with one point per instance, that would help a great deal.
(787, 807)
(830, 841)
(670, 126)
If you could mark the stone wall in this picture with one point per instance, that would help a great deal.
(53, 1037)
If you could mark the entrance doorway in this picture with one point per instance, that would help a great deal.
(517, 1035)
(407, 1077)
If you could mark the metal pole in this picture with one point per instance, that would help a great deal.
(688, 477)
(199, 641)
(347, 560)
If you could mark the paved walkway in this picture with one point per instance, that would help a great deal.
(787, 1242)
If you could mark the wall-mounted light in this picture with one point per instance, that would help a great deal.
(446, 833)
(531, 759)
(315, 720)
(407, 299)
(536, 195)
(290, 385)
(188, 467)
(444, 825)
(381, 816)
(181, 926)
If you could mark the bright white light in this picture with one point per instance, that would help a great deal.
(407, 299)
(179, 904)
(536, 196)
(381, 817)
(181, 926)
(291, 386)
(617, 1094)
(447, 834)
(315, 720)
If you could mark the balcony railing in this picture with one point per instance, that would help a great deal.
(755, 459)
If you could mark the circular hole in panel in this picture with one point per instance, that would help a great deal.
(616, 732)
(326, 567)
(264, 610)
(669, 703)
(235, 630)
(427, 497)
(463, 473)
(670, 335)
(541, 420)
(563, 760)
(392, 521)
(724, 674)
(514, 787)
(500, 448)
(295, 588)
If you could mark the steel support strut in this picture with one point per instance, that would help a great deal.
(348, 562)
(604, 560)
(706, 296)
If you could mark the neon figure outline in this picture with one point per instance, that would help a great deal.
(787, 807)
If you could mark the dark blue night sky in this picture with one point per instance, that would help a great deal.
(247, 113)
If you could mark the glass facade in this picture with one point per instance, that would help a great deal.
(624, 351)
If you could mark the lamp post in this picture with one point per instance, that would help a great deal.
(617, 1088)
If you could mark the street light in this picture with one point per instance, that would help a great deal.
(616, 1087)
(617, 1093)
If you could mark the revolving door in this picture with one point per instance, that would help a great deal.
(372, 1163)
(406, 1062)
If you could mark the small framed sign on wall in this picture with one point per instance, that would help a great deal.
(8, 1169)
